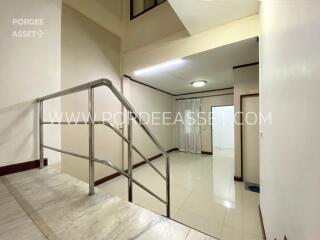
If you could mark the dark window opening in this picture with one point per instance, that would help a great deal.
(139, 7)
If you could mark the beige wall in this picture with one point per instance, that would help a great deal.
(289, 85)
(145, 99)
(89, 52)
(30, 68)
(246, 81)
(114, 16)
(181, 44)
(222, 98)
(108, 14)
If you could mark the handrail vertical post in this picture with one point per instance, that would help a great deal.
(41, 134)
(168, 186)
(91, 139)
(132, 116)
(130, 157)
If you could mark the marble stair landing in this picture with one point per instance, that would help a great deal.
(46, 204)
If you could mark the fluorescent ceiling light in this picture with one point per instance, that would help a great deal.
(199, 83)
(159, 66)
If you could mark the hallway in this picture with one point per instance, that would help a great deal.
(204, 195)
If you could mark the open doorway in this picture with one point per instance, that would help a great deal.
(223, 153)
(222, 128)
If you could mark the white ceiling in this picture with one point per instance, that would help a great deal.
(201, 15)
(215, 66)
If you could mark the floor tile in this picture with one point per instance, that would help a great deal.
(203, 192)
(236, 234)
(208, 226)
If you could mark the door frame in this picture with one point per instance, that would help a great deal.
(241, 130)
(211, 117)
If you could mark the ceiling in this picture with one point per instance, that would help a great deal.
(201, 15)
(214, 66)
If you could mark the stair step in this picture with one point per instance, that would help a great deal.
(47, 204)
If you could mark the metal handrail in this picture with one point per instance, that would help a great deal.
(132, 115)
(145, 159)
(122, 99)
(109, 164)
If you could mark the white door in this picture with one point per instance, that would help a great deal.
(250, 139)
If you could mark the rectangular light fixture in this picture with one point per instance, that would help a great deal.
(159, 66)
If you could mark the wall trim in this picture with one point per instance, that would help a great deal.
(172, 150)
(182, 94)
(21, 167)
(246, 65)
(262, 224)
(114, 175)
(146, 85)
(207, 96)
(237, 179)
(205, 91)
(205, 152)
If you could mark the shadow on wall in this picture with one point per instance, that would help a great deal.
(18, 133)
(93, 33)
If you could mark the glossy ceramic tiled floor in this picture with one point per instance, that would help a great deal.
(204, 195)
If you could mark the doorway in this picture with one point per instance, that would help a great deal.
(222, 128)
(223, 152)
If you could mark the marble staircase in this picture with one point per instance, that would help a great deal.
(46, 204)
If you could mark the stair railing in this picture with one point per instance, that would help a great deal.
(91, 123)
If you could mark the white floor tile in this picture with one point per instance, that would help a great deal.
(236, 234)
(200, 223)
(203, 194)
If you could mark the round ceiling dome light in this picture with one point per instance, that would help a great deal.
(200, 83)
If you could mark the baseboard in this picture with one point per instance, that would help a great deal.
(238, 179)
(152, 158)
(172, 150)
(204, 152)
(20, 167)
(112, 176)
(107, 178)
(262, 224)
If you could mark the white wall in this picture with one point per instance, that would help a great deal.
(289, 87)
(89, 52)
(246, 81)
(30, 68)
